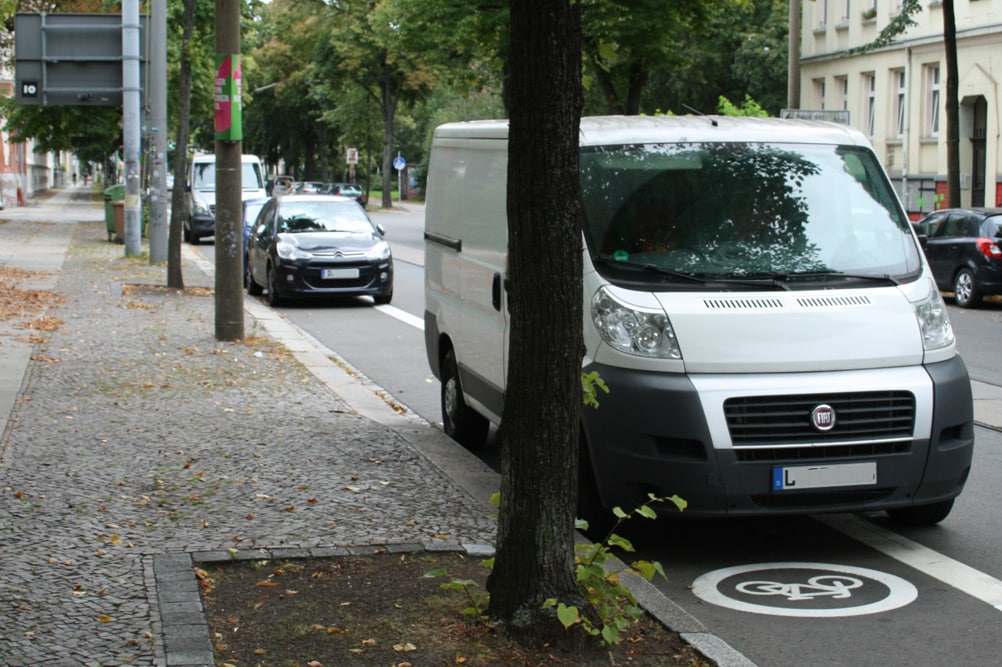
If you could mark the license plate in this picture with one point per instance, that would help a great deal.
(338, 274)
(791, 478)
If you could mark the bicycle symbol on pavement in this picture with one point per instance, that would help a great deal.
(807, 590)
(837, 587)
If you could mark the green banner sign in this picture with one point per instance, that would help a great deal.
(228, 107)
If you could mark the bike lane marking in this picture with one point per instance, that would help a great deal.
(952, 572)
(804, 590)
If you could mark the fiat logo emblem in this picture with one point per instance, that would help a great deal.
(823, 418)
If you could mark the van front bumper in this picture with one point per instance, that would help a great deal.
(652, 434)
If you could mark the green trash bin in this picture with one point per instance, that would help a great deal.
(114, 193)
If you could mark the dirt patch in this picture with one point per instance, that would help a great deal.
(382, 610)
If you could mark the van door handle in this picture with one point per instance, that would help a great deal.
(496, 292)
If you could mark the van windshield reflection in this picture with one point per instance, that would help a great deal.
(760, 213)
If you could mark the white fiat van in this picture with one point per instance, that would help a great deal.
(201, 192)
(754, 298)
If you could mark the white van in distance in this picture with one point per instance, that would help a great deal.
(754, 298)
(201, 192)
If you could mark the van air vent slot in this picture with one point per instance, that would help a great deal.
(742, 304)
(832, 301)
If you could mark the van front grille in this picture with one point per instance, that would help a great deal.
(761, 421)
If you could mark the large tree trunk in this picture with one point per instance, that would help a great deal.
(539, 435)
(952, 106)
(179, 209)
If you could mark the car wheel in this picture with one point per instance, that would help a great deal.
(965, 292)
(252, 287)
(193, 238)
(274, 300)
(186, 234)
(383, 299)
(922, 515)
(461, 422)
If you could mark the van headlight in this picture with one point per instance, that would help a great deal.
(646, 333)
(934, 323)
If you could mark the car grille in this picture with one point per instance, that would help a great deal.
(861, 417)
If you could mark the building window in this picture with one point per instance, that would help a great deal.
(822, 7)
(898, 77)
(819, 93)
(845, 11)
(932, 100)
(870, 95)
(842, 86)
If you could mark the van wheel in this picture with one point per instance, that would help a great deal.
(922, 515)
(589, 506)
(461, 422)
(965, 293)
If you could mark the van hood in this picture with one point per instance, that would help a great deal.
(794, 331)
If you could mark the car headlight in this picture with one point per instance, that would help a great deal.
(646, 333)
(199, 206)
(934, 323)
(287, 248)
(380, 250)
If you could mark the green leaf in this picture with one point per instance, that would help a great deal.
(647, 512)
(435, 573)
(567, 615)
(621, 542)
(619, 513)
(610, 635)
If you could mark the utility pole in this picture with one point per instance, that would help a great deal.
(158, 132)
(131, 126)
(229, 146)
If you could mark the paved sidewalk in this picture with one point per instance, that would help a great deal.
(138, 444)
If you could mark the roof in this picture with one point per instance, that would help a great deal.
(618, 130)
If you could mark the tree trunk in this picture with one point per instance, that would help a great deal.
(179, 209)
(539, 436)
(390, 93)
(952, 106)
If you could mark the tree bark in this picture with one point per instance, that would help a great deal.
(539, 434)
(952, 106)
(175, 277)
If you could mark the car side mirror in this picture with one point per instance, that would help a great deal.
(381, 230)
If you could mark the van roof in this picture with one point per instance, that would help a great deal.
(616, 130)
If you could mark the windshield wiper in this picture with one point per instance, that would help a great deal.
(885, 278)
(650, 268)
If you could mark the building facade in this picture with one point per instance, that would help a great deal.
(897, 95)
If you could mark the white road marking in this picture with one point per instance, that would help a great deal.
(932, 563)
(403, 316)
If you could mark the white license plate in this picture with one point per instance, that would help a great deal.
(791, 478)
(338, 274)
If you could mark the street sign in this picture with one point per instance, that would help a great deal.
(399, 163)
(352, 156)
(70, 59)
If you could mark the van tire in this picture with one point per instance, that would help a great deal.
(922, 515)
(589, 503)
(460, 422)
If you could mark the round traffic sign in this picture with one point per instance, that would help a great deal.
(399, 163)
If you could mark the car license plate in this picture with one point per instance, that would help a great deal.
(338, 274)
(791, 478)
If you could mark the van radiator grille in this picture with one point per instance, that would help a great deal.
(859, 416)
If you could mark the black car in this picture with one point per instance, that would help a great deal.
(964, 249)
(352, 190)
(317, 245)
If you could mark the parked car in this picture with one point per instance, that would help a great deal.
(252, 207)
(317, 246)
(281, 185)
(310, 188)
(352, 190)
(964, 249)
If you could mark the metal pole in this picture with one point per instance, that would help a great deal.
(793, 61)
(131, 124)
(158, 132)
(229, 204)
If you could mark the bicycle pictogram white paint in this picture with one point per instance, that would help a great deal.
(805, 590)
(837, 587)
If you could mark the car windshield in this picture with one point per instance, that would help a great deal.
(323, 216)
(738, 210)
(204, 176)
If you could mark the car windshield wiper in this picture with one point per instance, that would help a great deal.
(650, 268)
(885, 278)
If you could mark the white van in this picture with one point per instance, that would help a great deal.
(754, 298)
(201, 192)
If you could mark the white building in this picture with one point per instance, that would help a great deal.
(897, 95)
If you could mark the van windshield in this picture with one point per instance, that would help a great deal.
(798, 213)
(204, 176)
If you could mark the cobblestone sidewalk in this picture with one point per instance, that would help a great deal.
(138, 437)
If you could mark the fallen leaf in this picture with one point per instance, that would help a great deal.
(266, 583)
(105, 619)
(405, 648)
(368, 642)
